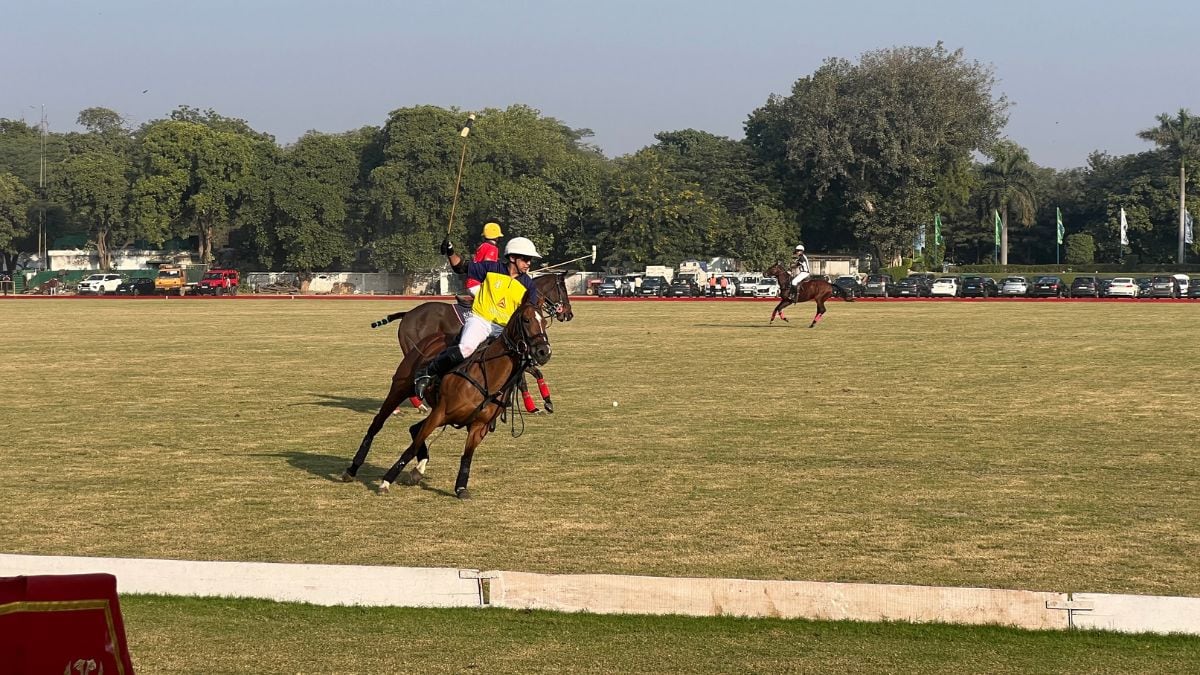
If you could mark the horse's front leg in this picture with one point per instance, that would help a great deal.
(420, 432)
(543, 388)
(526, 397)
(475, 434)
(779, 310)
(396, 394)
(819, 314)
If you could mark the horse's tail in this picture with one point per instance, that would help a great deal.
(843, 293)
(388, 319)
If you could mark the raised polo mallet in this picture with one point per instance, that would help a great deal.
(466, 131)
(568, 262)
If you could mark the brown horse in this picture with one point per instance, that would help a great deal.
(428, 318)
(473, 395)
(814, 289)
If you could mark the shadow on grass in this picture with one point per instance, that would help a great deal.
(362, 405)
(330, 467)
(764, 324)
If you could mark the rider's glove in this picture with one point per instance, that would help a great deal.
(446, 248)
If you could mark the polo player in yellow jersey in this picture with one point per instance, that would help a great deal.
(502, 287)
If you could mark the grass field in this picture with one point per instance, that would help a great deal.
(244, 636)
(1042, 446)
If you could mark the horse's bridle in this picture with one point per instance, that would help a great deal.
(525, 344)
(554, 309)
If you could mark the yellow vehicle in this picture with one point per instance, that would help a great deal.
(170, 280)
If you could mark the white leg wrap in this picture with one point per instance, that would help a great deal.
(421, 466)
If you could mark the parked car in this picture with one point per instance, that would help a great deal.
(1048, 287)
(1143, 284)
(715, 289)
(974, 286)
(1194, 288)
(911, 287)
(767, 287)
(878, 286)
(1164, 286)
(1084, 287)
(610, 287)
(1185, 284)
(136, 286)
(99, 284)
(747, 285)
(1014, 287)
(219, 282)
(850, 285)
(945, 287)
(1102, 284)
(1122, 287)
(653, 287)
(683, 288)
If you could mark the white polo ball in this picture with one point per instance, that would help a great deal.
(614, 404)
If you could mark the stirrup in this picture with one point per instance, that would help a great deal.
(421, 382)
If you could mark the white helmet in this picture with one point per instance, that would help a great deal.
(521, 246)
(799, 248)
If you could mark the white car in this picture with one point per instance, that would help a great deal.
(1123, 287)
(767, 288)
(748, 285)
(99, 284)
(945, 287)
(1014, 286)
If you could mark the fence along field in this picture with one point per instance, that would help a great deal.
(1026, 446)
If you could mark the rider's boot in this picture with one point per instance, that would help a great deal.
(440, 365)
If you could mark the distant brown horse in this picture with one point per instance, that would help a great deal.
(473, 395)
(814, 289)
(428, 318)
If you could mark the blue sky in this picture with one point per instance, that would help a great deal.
(1084, 76)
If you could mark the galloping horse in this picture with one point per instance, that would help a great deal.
(441, 317)
(472, 396)
(814, 289)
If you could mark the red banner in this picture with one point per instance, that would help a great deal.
(68, 625)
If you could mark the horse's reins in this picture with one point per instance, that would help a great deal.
(524, 352)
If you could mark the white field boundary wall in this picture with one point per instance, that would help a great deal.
(615, 594)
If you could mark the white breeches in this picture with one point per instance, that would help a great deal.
(800, 276)
(474, 332)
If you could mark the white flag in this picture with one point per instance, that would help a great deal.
(1124, 229)
(1187, 227)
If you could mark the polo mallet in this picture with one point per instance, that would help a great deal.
(466, 131)
(568, 262)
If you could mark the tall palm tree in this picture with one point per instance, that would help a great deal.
(1008, 182)
(1180, 136)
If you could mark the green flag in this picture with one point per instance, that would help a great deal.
(1061, 230)
(937, 229)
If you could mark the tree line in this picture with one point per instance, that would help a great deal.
(857, 158)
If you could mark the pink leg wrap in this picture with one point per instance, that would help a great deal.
(528, 398)
(543, 388)
(416, 402)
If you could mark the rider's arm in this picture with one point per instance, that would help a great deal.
(457, 263)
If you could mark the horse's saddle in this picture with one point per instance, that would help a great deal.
(462, 308)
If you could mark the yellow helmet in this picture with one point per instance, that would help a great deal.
(492, 231)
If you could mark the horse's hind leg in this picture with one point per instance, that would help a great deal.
(395, 395)
(475, 434)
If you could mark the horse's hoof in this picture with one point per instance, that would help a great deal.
(462, 493)
(347, 476)
(413, 477)
(424, 408)
(549, 406)
(384, 487)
